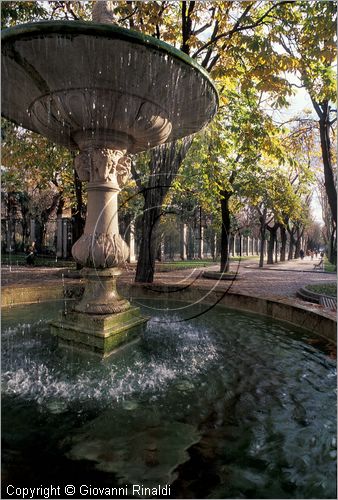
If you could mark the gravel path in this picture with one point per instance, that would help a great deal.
(279, 280)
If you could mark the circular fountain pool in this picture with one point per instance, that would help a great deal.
(226, 405)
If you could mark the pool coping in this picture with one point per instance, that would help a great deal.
(310, 317)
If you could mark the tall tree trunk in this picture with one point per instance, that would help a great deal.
(190, 243)
(272, 242)
(225, 234)
(262, 229)
(291, 232)
(38, 236)
(41, 225)
(164, 164)
(148, 245)
(276, 249)
(333, 247)
(25, 212)
(78, 219)
(299, 234)
(283, 237)
(212, 245)
(323, 111)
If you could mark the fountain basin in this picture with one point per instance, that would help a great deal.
(313, 319)
(222, 406)
(82, 84)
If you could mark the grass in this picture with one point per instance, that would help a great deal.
(191, 264)
(19, 259)
(329, 289)
(39, 261)
(328, 267)
(184, 264)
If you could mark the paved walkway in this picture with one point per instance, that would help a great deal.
(299, 265)
(267, 282)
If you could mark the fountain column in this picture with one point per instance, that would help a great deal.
(102, 320)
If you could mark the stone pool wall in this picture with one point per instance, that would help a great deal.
(308, 316)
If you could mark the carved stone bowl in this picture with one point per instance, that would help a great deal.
(85, 85)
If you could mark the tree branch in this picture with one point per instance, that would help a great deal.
(209, 51)
(222, 35)
(132, 13)
(237, 26)
(201, 29)
(317, 107)
(70, 10)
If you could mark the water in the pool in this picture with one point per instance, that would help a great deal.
(225, 405)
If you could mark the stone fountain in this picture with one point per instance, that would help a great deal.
(105, 92)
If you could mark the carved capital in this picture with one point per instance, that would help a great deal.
(103, 165)
(123, 169)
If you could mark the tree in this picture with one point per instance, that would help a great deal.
(40, 170)
(314, 58)
(13, 13)
(165, 161)
(233, 38)
(300, 142)
(235, 41)
(224, 157)
(314, 236)
(329, 229)
(269, 190)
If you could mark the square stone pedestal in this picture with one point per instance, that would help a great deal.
(99, 333)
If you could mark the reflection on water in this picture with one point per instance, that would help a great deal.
(228, 405)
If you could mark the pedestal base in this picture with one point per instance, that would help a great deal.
(101, 334)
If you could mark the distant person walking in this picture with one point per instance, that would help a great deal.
(311, 254)
(301, 253)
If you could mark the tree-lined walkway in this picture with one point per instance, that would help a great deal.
(268, 282)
